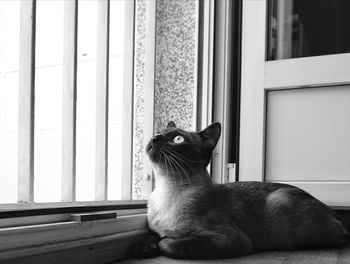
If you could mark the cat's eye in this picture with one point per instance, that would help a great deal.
(178, 139)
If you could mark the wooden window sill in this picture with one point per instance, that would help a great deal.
(72, 241)
(105, 249)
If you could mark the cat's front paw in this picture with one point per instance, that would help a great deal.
(146, 249)
(169, 248)
(174, 248)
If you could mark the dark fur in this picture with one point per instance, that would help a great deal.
(192, 218)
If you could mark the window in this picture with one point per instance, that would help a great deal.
(66, 123)
(66, 84)
(9, 58)
(82, 87)
(297, 28)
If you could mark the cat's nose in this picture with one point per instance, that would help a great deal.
(156, 138)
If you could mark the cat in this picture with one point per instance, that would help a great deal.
(190, 217)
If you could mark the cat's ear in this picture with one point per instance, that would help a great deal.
(211, 134)
(171, 124)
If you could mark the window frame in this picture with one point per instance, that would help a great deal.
(45, 221)
(227, 88)
(28, 226)
(27, 93)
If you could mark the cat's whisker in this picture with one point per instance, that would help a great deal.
(184, 158)
(176, 168)
(179, 168)
(176, 165)
(171, 165)
(182, 161)
(167, 160)
(181, 158)
(182, 168)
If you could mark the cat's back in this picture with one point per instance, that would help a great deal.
(281, 216)
(253, 189)
(246, 197)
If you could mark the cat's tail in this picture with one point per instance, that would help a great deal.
(346, 223)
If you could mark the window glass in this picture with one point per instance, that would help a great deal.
(299, 28)
(49, 39)
(86, 101)
(9, 58)
(115, 105)
(146, 99)
(48, 101)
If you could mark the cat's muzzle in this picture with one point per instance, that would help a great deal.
(149, 147)
(152, 150)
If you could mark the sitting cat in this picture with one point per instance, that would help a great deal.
(193, 218)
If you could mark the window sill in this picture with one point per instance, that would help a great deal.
(105, 249)
(43, 213)
(69, 240)
(59, 207)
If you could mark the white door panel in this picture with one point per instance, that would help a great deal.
(308, 134)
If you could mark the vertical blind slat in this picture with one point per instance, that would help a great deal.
(68, 188)
(128, 83)
(26, 103)
(102, 61)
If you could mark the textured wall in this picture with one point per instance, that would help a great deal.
(139, 103)
(175, 74)
(176, 59)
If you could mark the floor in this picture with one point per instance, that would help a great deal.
(329, 256)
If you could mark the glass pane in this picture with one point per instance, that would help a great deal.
(115, 117)
(9, 59)
(307, 134)
(86, 101)
(48, 101)
(299, 28)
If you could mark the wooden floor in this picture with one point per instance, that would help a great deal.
(330, 256)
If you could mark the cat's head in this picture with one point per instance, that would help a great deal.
(176, 146)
